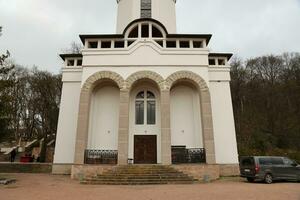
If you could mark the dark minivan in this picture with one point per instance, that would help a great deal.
(269, 168)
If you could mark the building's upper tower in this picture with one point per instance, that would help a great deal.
(161, 10)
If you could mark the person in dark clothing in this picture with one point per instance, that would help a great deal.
(13, 154)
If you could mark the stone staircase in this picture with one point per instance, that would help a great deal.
(140, 175)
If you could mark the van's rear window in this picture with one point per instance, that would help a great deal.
(247, 161)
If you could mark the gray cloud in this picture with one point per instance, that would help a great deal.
(36, 31)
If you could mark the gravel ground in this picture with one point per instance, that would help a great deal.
(51, 187)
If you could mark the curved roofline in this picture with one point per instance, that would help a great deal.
(93, 36)
(144, 19)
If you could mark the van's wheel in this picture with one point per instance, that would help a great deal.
(251, 180)
(269, 178)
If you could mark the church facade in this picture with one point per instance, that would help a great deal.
(145, 95)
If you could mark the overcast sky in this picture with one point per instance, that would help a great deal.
(36, 31)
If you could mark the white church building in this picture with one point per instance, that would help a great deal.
(146, 95)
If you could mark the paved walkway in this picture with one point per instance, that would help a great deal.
(50, 187)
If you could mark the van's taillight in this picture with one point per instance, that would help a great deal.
(256, 168)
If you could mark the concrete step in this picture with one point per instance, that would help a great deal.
(143, 172)
(140, 178)
(140, 175)
(136, 182)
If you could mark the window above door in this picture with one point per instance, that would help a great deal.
(147, 112)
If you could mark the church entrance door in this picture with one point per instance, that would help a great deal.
(144, 145)
(145, 149)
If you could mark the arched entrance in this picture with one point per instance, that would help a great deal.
(186, 125)
(205, 134)
(104, 117)
(144, 145)
(89, 91)
(144, 120)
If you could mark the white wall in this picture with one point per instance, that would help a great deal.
(186, 128)
(67, 123)
(135, 56)
(223, 121)
(165, 12)
(162, 10)
(104, 119)
(128, 10)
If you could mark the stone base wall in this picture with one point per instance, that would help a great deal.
(63, 169)
(81, 171)
(201, 172)
(229, 170)
(4, 158)
(25, 167)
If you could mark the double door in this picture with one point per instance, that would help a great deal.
(145, 149)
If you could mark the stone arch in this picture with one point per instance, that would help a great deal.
(84, 107)
(158, 79)
(93, 79)
(188, 75)
(206, 109)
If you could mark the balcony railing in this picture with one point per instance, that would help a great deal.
(100, 157)
(180, 155)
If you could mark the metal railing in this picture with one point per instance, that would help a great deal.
(100, 156)
(180, 154)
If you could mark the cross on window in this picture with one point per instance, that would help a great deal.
(145, 108)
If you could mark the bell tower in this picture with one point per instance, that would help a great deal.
(160, 10)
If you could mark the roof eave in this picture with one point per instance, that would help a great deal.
(227, 55)
(205, 36)
(70, 55)
(96, 36)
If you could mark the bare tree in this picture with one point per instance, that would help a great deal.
(74, 48)
(266, 102)
(5, 84)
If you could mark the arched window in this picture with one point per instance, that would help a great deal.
(145, 30)
(156, 32)
(141, 112)
(134, 32)
(139, 108)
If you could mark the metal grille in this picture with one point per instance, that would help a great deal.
(100, 157)
(145, 8)
(180, 154)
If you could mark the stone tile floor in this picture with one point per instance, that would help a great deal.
(53, 187)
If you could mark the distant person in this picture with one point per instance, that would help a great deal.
(13, 154)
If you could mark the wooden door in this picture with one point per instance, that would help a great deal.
(145, 149)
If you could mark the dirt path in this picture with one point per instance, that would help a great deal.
(50, 187)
